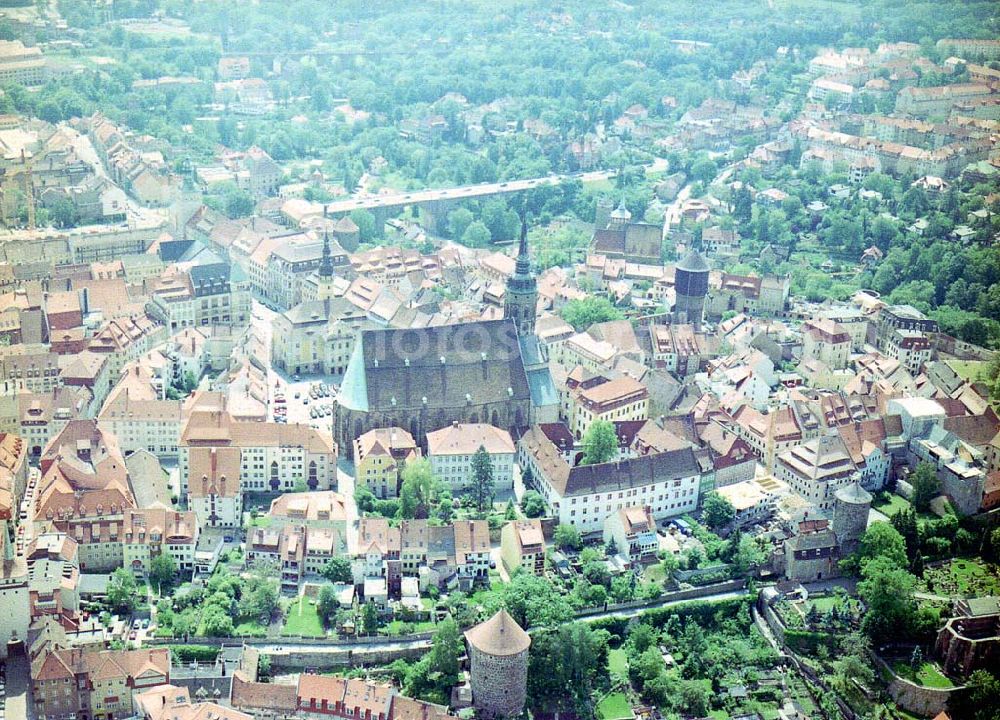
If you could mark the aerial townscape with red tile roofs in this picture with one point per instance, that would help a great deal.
(628, 360)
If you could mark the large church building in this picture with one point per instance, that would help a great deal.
(424, 379)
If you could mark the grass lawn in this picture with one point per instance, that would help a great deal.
(396, 627)
(618, 663)
(895, 505)
(967, 369)
(615, 707)
(600, 186)
(927, 674)
(654, 574)
(261, 521)
(302, 619)
(251, 629)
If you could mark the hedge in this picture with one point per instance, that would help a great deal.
(189, 653)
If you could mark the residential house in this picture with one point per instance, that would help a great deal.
(632, 531)
(522, 546)
(70, 683)
(452, 449)
(583, 496)
(379, 457)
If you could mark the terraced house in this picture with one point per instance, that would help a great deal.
(156, 530)
(268, 456)
(84, 492)
(89, 685)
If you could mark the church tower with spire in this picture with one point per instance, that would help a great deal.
(320, 283)
(521, 296)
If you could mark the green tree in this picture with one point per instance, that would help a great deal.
(238, 203)
(532, 601)
(565, 666)
(476, 235)
(264, 667)
(533, 504)
(716, 510)
(447, 649)
(749, 555)
(597, 573)
(979, 699)
(926, 486)
(216, 622)
(887, 591)
(122, 590)
(181, 624)
(482, 489)
(327, 604)
(432, 677)
(162, 569)
(338, 570)
(419, 490)
(600, 443)
(704, 170)
(882, 540)
(853, 664)
(905, 521)
(369, 618)
(581, 314)
(459, 221)
(368, 228)
(567, 537)
(64, 213)
(259, 599)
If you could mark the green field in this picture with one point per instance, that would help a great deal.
(250, 629)
(967, 369)
(302, 619)
(618, 663)
(895, 505)
(927, 674)
(603, 185)
(824, 604)
(615, 707)
(396, 627)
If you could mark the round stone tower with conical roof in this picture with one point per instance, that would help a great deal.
(498, 659)
(691, 288)
(850, 515)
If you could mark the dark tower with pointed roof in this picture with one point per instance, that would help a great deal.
(521, 297)
(326, 264)
(691, 288)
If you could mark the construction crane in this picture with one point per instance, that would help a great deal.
(29, 195)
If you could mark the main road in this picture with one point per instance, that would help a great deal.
(465, 192)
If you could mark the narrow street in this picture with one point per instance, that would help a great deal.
(18, 690)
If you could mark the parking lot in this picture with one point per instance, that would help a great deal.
(308, 402)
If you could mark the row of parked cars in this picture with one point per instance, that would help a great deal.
(320, 390)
